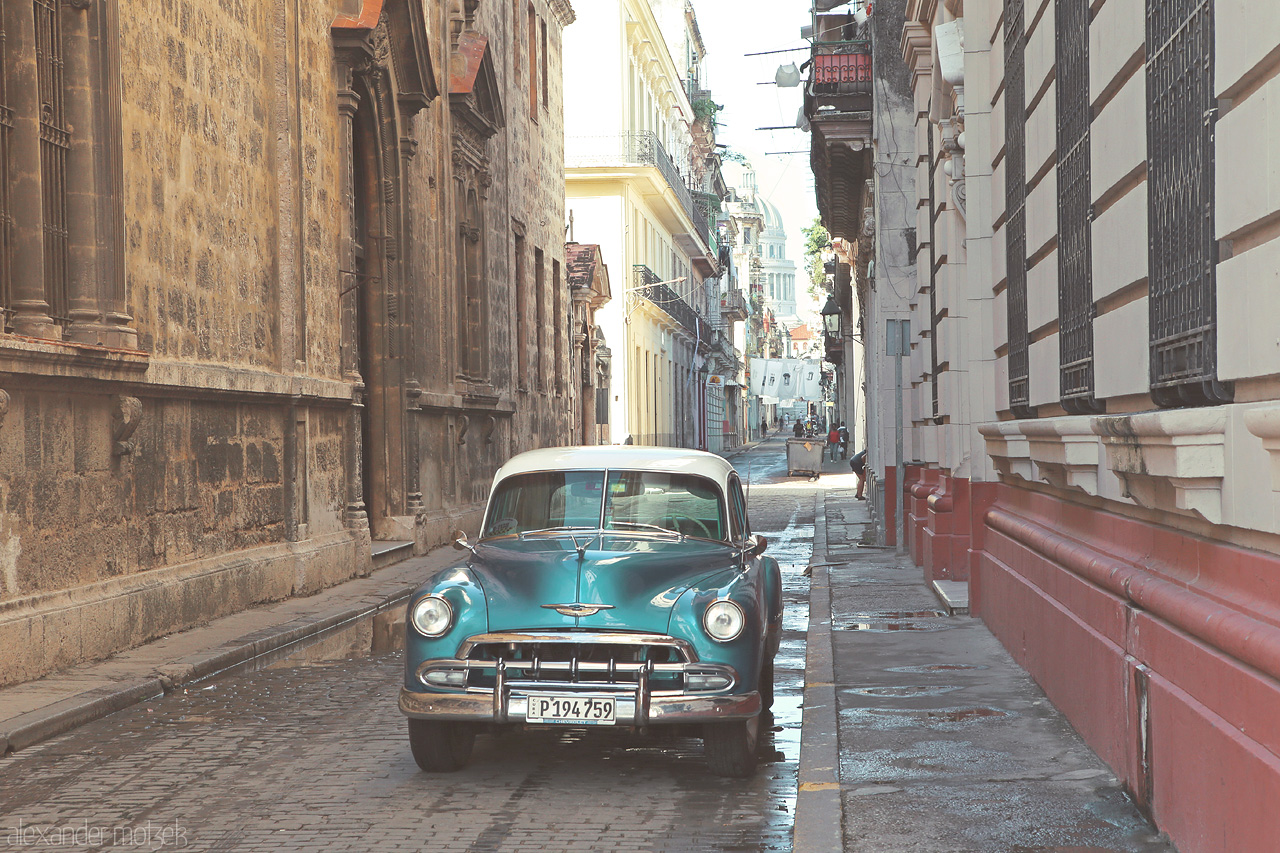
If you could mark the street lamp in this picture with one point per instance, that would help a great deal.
(831, 317)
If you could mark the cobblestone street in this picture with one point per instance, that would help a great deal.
(316, 757)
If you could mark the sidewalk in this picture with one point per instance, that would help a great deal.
(359, 615)
(920, 732)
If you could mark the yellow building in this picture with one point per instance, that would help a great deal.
(628, 120)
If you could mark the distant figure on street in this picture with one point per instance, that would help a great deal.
(833, 442)
(858, 464)
(844, 441)
(799, 428)
(764, 427)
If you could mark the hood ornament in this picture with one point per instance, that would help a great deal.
(578, 609)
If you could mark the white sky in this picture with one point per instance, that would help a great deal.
(730, 29)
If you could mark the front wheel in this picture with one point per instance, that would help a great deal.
(441, 746)
(766, 685)
(731, 747)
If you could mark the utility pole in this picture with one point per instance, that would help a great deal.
(899, 337)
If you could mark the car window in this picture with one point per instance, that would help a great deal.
(738, 507)
(682, 503)
(546, 499)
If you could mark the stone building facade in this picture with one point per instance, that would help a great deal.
(279, 283)
(1093, 416)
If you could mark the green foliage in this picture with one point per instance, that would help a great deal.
(705, 108)
(733, 156)
(816, 241)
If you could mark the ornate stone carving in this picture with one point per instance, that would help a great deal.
(464, 424)
(4, 405)
(126, 414)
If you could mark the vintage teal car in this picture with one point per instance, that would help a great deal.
(610, 586)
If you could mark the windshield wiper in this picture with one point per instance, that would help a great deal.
(554, 530)
(639, 525)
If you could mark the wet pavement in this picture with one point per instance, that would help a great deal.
(934, 742)
(945, 744)
(316, 757)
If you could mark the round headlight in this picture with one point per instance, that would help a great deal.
(432, 616)
(723, 620)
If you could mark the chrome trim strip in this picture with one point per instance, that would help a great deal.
(577, 608)
(581, 638)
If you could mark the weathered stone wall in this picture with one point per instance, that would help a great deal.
(235, 479)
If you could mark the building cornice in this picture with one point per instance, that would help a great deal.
(563, 11)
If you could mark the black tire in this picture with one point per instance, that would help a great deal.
(766, 685)
(731, 747)
(441, 747)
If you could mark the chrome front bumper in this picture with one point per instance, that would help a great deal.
(633, 708)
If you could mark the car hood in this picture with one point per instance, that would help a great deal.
(640, 578)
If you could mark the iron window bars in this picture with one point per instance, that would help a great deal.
(1015, 194)
(1075, 249)
(1181, 114)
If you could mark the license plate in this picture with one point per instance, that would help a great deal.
(570, 708)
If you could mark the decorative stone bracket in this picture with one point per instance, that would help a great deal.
(1065, 451)
(1169, 459)
(1265, 424)
(1009, 449)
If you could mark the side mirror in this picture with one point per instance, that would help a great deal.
(756, 545)
(460, 542)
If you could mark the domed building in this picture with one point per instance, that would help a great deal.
(779, 271)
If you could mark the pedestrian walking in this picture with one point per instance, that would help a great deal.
(833, 443)
(799, 428)
(858, 465)
(844, 441)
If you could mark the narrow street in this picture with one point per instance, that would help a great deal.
(944, 745)
(315, 757)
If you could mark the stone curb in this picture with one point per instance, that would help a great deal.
(252, 649)
(819, 809)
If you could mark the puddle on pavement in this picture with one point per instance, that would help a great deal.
(935, 667)
(901, 718)
(886, 627)
(900, 692)
(904, 620)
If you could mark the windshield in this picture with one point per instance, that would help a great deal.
(623, 501)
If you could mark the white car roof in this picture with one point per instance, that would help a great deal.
(625, 457)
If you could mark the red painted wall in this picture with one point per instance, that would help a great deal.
(1161, 648)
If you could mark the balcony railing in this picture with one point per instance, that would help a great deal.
(649, 286)
(842, 68)
(637, 148)
(734, 304)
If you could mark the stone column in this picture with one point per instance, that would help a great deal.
(348, 103)
(82, 244)
(31, 315)
(117, 323)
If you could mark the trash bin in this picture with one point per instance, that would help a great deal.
(804, 456)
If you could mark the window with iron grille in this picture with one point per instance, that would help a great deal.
(1075, 249)
(55, 142)
(933, 278)
(1181, 113)
(1015, 194)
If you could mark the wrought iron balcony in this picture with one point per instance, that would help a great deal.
(650, 287)
(637, 148)
(733, 306)
(842, 68)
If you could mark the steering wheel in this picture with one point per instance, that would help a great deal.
(701, 525)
